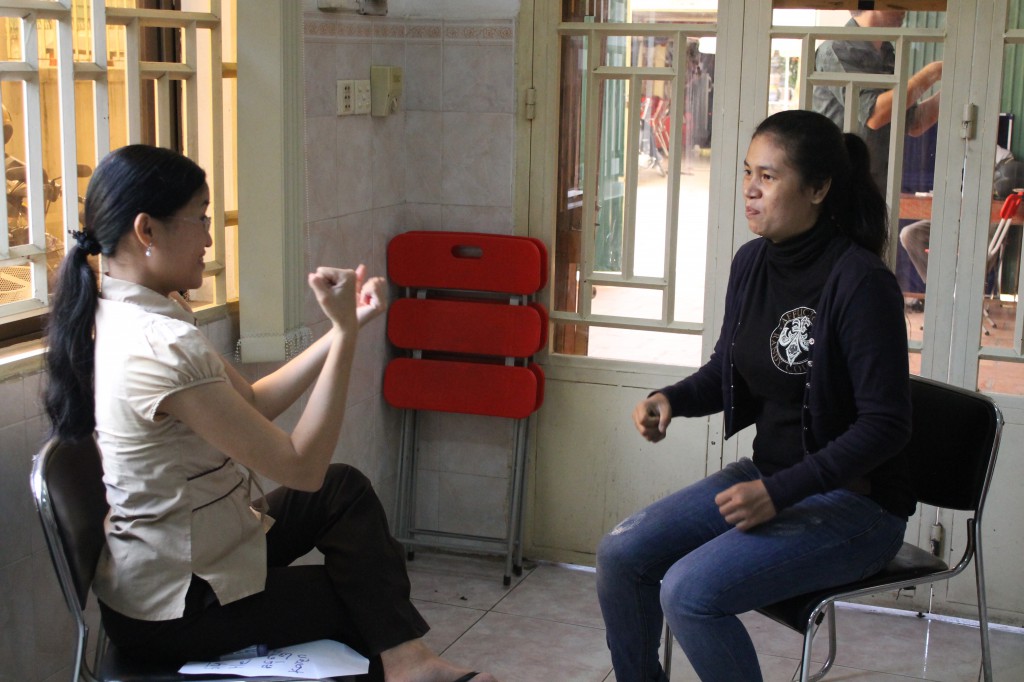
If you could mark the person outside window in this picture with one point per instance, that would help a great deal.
(874, 107)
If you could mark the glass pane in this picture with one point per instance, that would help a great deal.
(81, 37)
(641, 11)
(15, 280)
(627, 302)
(784, 75)
(658, 109)
(995, 376)
(631, 344)
(117, 46)
(10, 39)
(1015, 16)
(843, 61)
(611, 207)
(1000, 327)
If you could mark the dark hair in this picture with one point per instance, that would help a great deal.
(820, 151)
(129, 181)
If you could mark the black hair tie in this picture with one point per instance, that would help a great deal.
(86, 242)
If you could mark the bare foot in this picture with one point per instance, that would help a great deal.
(412, 661)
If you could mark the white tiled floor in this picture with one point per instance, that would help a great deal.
(547, 626)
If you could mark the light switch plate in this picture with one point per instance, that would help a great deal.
(361, 97)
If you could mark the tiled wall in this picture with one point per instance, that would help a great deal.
(443, 162)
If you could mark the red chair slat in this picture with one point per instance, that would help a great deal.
(539, 373)
(474, 327)
(467, 261)
(462, 387)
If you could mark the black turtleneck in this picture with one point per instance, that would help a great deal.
(774, 338)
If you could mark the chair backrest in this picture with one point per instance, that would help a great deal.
(468, 323)
(954, 443)
(67, 483)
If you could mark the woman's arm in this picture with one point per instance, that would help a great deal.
(226, 419)
(276, 392)
(919, 83)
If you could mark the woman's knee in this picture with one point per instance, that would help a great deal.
(341, 475)
(687, 592)
(619, 551)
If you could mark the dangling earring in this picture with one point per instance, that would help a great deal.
(149, 250)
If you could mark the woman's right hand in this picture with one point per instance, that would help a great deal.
(651, 417)
(335, 291)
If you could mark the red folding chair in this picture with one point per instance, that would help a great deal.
(469, 327)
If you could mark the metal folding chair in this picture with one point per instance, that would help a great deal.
(67, 483)
(470, 328)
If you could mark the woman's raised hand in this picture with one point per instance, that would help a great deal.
(335, 291)
(372, 297)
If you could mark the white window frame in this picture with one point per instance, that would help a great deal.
(201, 71)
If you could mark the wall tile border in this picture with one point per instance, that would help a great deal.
(319, 26)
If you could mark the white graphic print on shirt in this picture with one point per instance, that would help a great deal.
(790, 342)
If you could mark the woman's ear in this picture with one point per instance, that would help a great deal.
(143, 229)
(818, 194)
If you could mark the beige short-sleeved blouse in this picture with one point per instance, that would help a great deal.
(177, 505)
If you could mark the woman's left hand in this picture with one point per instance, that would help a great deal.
(372, 296)
(746, 505)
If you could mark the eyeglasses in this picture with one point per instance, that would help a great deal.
(204, 221)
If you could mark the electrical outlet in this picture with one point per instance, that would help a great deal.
(361, 97)
(346, 98)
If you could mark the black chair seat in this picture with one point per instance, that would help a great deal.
(116, 667)
(910, 563)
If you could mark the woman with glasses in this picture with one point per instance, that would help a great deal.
(193, 568)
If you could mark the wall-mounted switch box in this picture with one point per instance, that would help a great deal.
(338, 5)
(377, 7)
(385, 89)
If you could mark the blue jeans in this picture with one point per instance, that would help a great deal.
(679, 557)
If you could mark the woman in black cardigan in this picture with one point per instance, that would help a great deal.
(813, 352)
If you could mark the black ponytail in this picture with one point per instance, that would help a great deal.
(864, 214)
(820, 152)
(69, 358)
(129, 181)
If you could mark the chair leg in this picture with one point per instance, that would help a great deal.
(985, 672)
(514, 526)
(404, 504)
(803, 671)
(666, 660)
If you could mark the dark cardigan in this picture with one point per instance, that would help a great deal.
(856, 413)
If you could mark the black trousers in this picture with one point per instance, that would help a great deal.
(359, 596)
